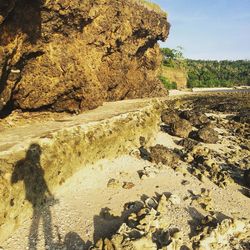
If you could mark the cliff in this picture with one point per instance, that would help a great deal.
(177, 75)
(74, 55)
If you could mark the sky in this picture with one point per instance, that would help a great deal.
(209, 29)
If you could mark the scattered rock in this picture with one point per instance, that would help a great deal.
(188, 158)
(187, 143)
(208, 135)
(242, 117)
(148, 172)
(142, 140)
(113, 183)
(185, 182)
(169, 116)
(148, 228)
(161, 154)
(205, 165)
(151, 203)
(174, 199)
(128, 185)
(205, 200)
(219, 237)
(162, 205)
(181, 128)
(194, 117)
(144, 154)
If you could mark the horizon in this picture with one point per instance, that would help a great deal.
(220, 27)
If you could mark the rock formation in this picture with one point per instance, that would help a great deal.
(74, 55)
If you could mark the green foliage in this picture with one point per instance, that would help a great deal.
(173, 57)
(218, 73)
(204, 73)
(167, 83)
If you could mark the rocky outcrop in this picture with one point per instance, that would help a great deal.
(74, 55)
(47, 153)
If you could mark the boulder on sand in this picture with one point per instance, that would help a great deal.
(181, 128)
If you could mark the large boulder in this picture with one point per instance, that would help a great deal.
(169, 116)
(208, 135)
(196, 118)
(181, 128)
(71, 55)
(161, 154)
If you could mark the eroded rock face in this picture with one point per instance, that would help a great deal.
(74, 55)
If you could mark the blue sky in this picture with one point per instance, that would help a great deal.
(209, 29)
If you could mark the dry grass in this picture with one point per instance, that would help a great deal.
(152, 6)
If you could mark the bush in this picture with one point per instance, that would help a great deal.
(167, 83)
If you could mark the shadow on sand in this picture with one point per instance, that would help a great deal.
(30, 171)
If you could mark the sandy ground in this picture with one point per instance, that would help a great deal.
(87, 208)
(77, 218)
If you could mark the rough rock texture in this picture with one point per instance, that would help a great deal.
(169, 116)
(50, 152)
(208, 135)
(196, 118)
(161, 154)
(147, 227)
(73, 55)
(181, 128)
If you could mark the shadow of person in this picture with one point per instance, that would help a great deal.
(29, 171)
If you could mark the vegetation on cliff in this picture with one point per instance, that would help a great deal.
(173, 71)
(152, 6)
(204, 73)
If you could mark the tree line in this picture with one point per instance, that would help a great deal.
(203, 73)
(208, 73)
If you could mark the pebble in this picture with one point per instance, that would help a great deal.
(128, 185)
(113, 183)
(174, 199)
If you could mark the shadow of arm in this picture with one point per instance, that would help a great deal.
(17, 174)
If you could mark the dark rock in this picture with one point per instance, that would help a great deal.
(187, 143)
(194, 117)
(144, 154)
(181, 128)
(128, 185)
(242, 117)
(246, 145)
(208, 135)
(169, 116)
(161, 154)
(185, 182)
(247, 177)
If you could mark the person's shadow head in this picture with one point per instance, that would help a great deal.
(26, 166)
(34, 153)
